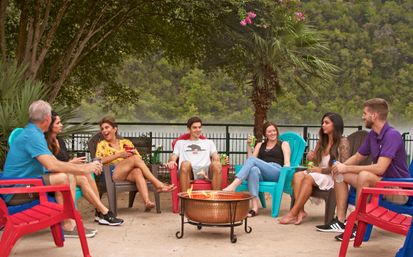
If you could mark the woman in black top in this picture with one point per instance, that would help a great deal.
(264, 164)
(86, 182)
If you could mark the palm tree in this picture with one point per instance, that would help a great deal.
(282, 56)
(277, 52)
(16, 95)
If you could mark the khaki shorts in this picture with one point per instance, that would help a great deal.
(396, 199)
(19, 199)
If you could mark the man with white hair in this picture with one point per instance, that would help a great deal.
(29, 156)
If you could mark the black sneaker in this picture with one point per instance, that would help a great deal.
(110, 219)
(98, 215)
(334, 226)
(353, 234)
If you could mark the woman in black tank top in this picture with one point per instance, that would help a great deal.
(263, 164)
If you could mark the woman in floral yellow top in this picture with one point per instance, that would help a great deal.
(127, 160)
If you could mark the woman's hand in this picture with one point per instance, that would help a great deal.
(311, 156)
(125, 154)
(314, 169)
(78, 160)
(249, 140)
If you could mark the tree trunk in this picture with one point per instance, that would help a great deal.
(3, 15)
(260, 115)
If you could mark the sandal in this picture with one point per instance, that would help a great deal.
(166, 188)
(149, 206)
(252, 213)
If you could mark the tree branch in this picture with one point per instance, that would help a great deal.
(22, 35)
(50, 36)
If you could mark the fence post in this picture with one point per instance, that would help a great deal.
(227, 140)
(305, 132)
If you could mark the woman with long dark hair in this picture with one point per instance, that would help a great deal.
(86, 182)
(263, 164)
(331, 146)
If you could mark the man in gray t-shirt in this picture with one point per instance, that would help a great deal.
(198, 158)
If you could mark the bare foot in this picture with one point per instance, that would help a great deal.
(288, 219)
(229, 189)
(148, 206)
(166, 188)
(300, 217)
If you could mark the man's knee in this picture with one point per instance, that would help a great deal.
(186, 167)
(59, 178)
(366, 178)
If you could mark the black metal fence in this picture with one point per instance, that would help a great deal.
(229, 138)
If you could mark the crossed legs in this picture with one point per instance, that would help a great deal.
(90, 192)
(135, 170)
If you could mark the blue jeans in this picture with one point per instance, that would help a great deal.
(256, 170)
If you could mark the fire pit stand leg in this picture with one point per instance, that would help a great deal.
(247, 228)
(232, 215)
(180, 234)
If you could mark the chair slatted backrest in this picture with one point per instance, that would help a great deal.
(356, 139)
(297, 146)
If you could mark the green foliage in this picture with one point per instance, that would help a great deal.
(16, 95)
(171, 92)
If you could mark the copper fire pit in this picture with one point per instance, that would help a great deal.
(214, 208)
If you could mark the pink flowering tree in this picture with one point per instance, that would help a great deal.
(277, 50)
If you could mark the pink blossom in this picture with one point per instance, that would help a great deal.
(299, 16)
(251, 15)
(248, 20)
(243, 23)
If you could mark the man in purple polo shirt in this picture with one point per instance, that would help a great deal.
(384, 145)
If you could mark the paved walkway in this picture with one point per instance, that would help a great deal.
(151, 234)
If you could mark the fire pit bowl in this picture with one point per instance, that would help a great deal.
(214, 208)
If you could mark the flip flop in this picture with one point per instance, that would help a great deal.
(252, 213)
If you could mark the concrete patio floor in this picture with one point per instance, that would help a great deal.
(152, 234)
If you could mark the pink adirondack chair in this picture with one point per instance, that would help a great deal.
(46, 214)
(198, 184)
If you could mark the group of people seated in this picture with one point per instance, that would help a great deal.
(39, 152)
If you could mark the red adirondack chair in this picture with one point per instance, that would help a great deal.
(46, 214)
(198, 184)
(373, 213)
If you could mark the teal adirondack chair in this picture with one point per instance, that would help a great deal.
(297, 145)
(17, 132)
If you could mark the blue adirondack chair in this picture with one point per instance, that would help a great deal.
(17, 132)
(407, 249)
(297, 145)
